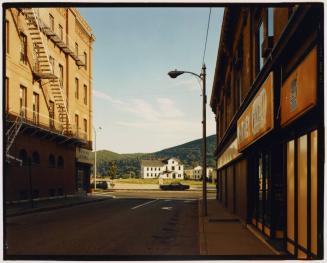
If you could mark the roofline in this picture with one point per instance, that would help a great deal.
(219, 55)
(83, 22)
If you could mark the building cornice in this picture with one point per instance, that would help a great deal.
(83, 23)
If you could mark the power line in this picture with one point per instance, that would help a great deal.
(205, 45)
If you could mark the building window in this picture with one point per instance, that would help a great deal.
(76, 123)
(173, 168)
(23, 156)
(85, 57)
(51, 113)
(23, 48)
(60, 162)
(85, 127)
(35, 158)
(260, 39)
(52, 161)
(51, 21)
(22, 101)
(76, 88)
(36, 108)
(7, 36)
(76, 49)
(52, 62)
(85, 94)
(61, 76)
(270, 22)
(7, 94)
(61, 32)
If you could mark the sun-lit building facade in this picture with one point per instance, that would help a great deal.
(268, 100)
(48, 102)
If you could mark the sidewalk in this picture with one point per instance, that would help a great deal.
(222, 234)
(50, 204)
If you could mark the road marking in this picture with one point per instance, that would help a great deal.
(189, 201)
(167, 208)
(146, 203)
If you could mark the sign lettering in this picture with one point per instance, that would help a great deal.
(257, 119)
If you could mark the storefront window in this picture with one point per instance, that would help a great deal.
(262, 204)
(302, 154)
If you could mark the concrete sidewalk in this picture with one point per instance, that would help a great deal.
(16, 209)
(222, 234)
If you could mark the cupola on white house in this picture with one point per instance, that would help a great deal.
(170, 168)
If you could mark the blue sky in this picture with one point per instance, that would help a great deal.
(139, 108)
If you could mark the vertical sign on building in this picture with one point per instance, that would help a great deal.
(299, 91)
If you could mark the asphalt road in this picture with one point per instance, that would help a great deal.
(120, 226)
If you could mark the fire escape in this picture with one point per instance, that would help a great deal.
(52, 84)
(43, 68)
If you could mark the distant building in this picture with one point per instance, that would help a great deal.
(166, 168)
(188, 173)
(197, 173)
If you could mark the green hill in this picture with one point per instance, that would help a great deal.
(129, 164)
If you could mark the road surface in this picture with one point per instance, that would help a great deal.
(120, 226)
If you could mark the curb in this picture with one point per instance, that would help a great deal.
(202, 236)
(55, 207)
(140, 189)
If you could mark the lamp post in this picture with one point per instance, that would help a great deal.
(95, 157)
(174, 74)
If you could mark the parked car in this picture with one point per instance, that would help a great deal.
(100, 185)
(174, 186)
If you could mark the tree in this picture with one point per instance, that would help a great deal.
(112, 170)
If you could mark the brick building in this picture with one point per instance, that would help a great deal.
(48, 102)
(268, 99)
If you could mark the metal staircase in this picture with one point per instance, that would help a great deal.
(43, 69)
(12, 132)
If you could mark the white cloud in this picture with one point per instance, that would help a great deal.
(105, 96)
(159, 118)
(161, 108)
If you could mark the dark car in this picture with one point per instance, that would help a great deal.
(174, 186)
(100, 185)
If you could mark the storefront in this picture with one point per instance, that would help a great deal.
(232, 180)
(263, 152)
(301, 109)
(84, 161)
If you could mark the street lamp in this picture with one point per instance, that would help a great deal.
(95, 157)
(174, 74)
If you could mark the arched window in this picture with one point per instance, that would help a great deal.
(52, 161)
(60, 162)
(23, 156)
(36, 158)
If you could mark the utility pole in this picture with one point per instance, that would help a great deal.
(204, 142)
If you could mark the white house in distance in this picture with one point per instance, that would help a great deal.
(167, 169)
(197, 173)
(188, 174)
